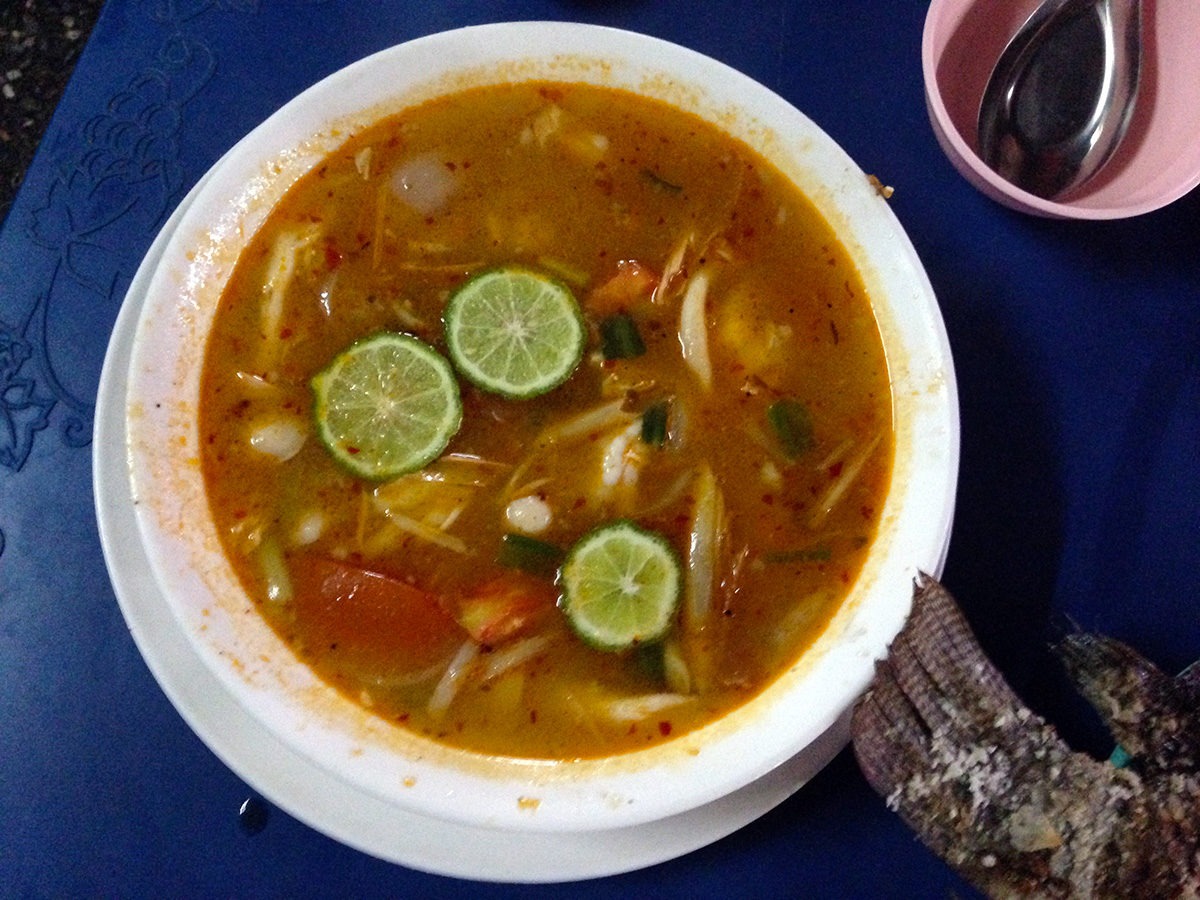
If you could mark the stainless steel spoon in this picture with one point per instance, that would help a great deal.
(1062, 94)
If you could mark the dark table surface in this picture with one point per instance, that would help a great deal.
(40, 40)
(1077, 350)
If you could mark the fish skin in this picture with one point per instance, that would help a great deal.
(1149, 713)
(991, 788)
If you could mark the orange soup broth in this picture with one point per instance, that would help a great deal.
(605, 191)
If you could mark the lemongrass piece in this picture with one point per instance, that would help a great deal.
(701, 649)
(679, 423)
(634, 709)
(767, 442)
(280, 438)
(462, 469)
(704, 544)
(382, 193)
(471, 460)
(255, 383)
(448, 685)
(428, 248)
(424, 532)
(836, 455)
(426, 497)
(501, 661)
(448, 517)
(568, 272)
(275, 572)
(673, 491)
(672, 268)
(394, 680)
(529, 487)
(693, 327)
(466, 266)
(836, 490)
(588, 422)
(406, 318)
(675, 668)
(529, 514)
(278, 275)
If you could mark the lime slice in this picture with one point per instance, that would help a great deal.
(514, 332)
(387, 405)
(620, 586)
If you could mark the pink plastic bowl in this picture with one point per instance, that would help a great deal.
(1159, 160)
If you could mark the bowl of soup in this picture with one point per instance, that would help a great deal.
(754, 418)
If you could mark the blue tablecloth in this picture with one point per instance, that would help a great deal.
(1077, 347)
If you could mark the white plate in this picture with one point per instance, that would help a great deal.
(314, 795)
(324, 778)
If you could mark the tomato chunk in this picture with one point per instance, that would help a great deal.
(372, 620)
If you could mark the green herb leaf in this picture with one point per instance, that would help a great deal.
(519, 551)
(619, 337)
(654, 424)
(792, 424)
(819, 553)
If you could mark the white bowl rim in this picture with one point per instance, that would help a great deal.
(571, 796)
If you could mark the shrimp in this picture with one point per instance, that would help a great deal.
(991, 787)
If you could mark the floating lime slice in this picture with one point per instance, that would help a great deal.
(514, 332)
(620, 586)
(387, 405)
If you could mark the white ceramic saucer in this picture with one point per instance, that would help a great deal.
(313, 794)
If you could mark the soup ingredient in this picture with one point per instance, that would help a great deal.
(530, 514)
(514, 332)
(378, 624)
(423, 183)
(280, 438)
(519, 551)
(510, 605)
(706, 540)
(547, 182)
(274, 570)
(992, 788)
(792, 425)
(386, 406)
(619, 337)
(693, 327)
(620, 586)
(845, 472)
(654, 423)
(451, 681)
